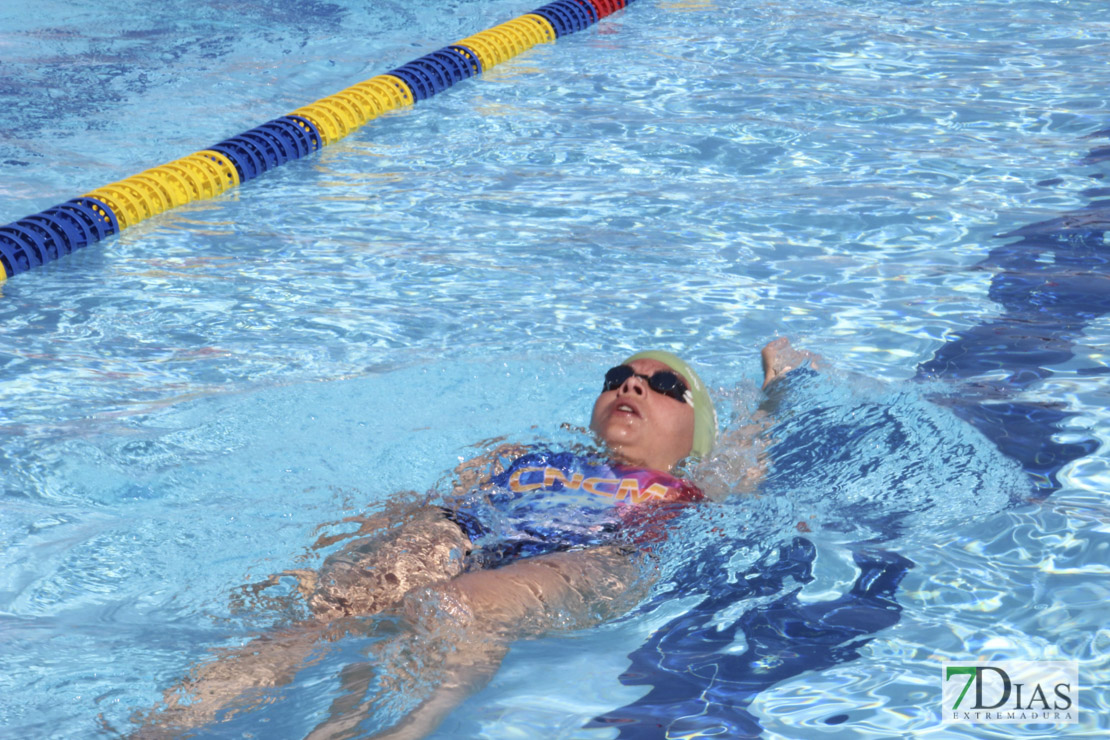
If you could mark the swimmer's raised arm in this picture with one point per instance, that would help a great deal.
(742, 461)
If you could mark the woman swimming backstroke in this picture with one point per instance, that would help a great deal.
(540, 502)
(540, 540)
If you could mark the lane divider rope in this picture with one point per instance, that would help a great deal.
(51, 234)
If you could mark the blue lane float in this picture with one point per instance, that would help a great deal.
(568, 16)
(47, 236)
(53, 233)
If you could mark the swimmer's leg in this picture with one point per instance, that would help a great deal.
(372, 574)
(458, 668)
(465, 626)
(364, 578)
(235, 681)
(562, 590)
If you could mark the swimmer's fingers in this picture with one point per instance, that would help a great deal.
(780, 357)
(487, 443)
(466, 477)
(494, 456)
(510, 450)
(477, 470)
(247, 594)
(367, 525)
(306, 580)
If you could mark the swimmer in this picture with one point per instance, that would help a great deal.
(530, 541)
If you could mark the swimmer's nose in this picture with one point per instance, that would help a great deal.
(634, 386)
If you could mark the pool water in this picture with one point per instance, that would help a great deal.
(184, 408)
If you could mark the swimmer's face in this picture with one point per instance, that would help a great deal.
(642, 426)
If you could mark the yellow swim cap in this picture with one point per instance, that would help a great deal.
(705, 416)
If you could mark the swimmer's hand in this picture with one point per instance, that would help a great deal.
(478, 470)
(779, 358)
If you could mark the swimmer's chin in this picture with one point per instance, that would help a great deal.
(618, 450)
(619, 454)
(611, 449)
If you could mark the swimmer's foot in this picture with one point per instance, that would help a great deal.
(779, 358)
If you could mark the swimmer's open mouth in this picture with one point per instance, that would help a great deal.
(626, 408)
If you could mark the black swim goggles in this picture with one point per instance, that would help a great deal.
(661, 381)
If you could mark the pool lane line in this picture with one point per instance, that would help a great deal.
(49, 235)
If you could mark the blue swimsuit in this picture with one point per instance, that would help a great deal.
(552, 501)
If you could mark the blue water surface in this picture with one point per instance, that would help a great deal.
(915, 190)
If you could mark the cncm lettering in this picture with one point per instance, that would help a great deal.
(1061, 691)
